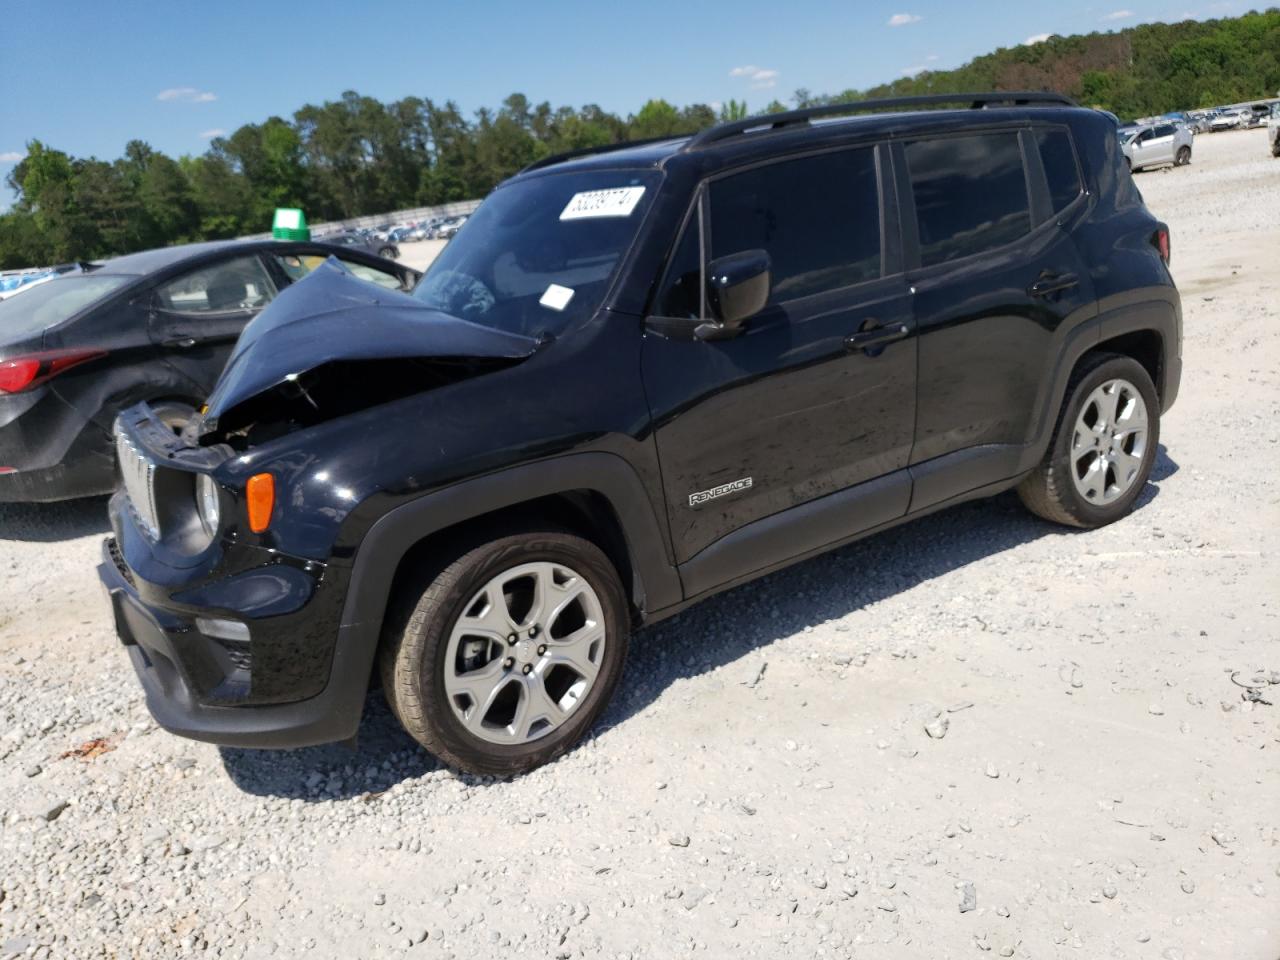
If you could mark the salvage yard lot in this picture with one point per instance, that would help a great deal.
(825, 763)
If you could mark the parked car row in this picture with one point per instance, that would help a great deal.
(437, 228)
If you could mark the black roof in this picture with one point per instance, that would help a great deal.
(148, 262)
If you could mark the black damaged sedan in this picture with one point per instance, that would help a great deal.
(156, 326)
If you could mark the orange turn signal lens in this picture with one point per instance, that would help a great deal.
(260, 493)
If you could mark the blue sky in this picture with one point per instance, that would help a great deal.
(86, 77)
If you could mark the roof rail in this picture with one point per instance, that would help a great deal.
(793, 118)
(588, 151)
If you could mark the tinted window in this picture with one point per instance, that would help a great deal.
(970, 193)
(1059, 160)
(682, 290)
(817, 217)
(42, 305)
(230, 286)
(1164, 130)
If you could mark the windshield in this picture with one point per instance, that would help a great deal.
(47, 304)
(538, 255)
(1127, 135)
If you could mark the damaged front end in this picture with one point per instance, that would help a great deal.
(332, 345)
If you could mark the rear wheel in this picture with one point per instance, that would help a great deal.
(1184, 156)
(508, 653)
(1103, 447)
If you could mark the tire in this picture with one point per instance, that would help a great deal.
(1128, 164)
(389, 253)
(1184, 157)
(422, 651)
(1056, 489)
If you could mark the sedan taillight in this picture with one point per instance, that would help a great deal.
(23, 373)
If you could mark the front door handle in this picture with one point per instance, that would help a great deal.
(1052, 283)
(182, 342)
(873, 336)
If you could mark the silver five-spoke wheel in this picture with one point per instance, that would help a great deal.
(524, 653)
(1109, 442)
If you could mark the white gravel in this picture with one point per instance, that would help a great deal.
(977, 733)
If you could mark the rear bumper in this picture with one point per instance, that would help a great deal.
(155, 640)
(56, 452)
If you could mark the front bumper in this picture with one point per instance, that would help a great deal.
(161, 643)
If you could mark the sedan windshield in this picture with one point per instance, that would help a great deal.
(539, 254)
(48, 304)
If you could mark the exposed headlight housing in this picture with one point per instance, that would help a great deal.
(208, 504)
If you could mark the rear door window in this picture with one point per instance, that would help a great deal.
(232, 286)
(1058, 157)
(970, 194)
(817, 217)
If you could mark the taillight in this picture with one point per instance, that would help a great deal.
(23, 373)
(1161, 241)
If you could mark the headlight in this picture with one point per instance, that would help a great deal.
(207, 503)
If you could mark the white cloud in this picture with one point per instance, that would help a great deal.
(210, 134)
(760, 77)
(1119, 15)
(932, 57)
(914, 71)
(12, 156)
(1038, 38)
(902, 19)
(186, 95)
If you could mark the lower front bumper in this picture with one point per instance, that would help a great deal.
(150, 636)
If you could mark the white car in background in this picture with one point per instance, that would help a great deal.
(1152, 144)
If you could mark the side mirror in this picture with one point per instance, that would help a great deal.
(737, 289)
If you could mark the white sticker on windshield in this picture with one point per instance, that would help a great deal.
(556, 297)
(618, 202)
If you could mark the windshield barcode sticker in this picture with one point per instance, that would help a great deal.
(618, 202)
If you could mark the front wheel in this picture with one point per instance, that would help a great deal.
(387, 252)
(1184, 157)
(1102, 448)
(509, 653)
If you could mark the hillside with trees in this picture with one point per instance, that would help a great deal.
(358, 155)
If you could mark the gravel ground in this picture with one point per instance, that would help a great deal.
(976, 733)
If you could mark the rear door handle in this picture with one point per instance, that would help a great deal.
(875, 337)
(1052, 283)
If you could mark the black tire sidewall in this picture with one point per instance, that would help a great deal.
(1121, 368)
(487, 562)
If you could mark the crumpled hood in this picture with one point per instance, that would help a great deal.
(331, 315)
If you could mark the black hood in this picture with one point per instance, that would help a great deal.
(331, 316)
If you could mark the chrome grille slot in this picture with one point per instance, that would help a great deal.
(138, 474)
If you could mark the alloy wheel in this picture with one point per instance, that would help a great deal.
(525, 653)
(1109, 443)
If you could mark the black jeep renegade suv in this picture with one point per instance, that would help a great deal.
(638, 376)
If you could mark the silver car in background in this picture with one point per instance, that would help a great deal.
(1149, 145)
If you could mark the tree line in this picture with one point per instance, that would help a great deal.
(359, 155)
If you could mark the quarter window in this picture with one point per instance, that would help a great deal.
(817, 217)
(232, 286)
(1059, 161)
(682, 290)
(970, 194)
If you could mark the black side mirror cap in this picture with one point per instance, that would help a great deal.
(737, 289)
